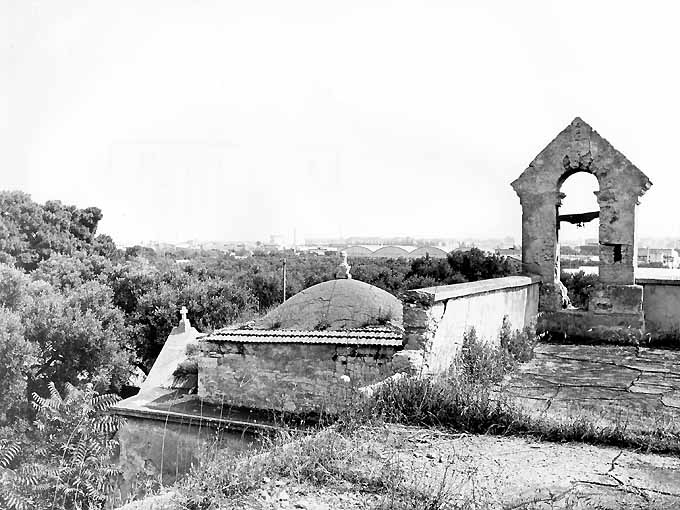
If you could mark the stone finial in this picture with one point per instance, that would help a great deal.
(184, 322)
(342, 272)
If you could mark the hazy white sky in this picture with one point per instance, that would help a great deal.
(237, 120)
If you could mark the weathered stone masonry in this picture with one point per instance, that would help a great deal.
(284, 376)
(616, 305)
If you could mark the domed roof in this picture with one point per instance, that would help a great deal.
(335, 305)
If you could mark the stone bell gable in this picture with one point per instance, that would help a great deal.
(579, 148)
(616, 302)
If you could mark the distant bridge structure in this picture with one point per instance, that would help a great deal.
(408, 252)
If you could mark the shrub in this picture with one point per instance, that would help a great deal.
(578, 287)
(480, 362)
(463, 398)
(519, 344)
(66, 462)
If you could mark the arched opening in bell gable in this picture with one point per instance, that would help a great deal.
(577, 234)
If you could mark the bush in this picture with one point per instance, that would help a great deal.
(466, 397)
(65, 462)
(463, 398)
(578, 287)
(481, 363)
(519, 344)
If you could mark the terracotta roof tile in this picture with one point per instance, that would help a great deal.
(367, 336)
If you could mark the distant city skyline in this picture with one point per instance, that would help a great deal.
(237, 120)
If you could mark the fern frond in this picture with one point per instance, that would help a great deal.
(54, 392)
(8, 452)
(104, 402)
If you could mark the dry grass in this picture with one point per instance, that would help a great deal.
(329, 459)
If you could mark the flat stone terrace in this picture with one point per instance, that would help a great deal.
(638, 387)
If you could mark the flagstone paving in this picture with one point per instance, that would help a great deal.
(638, 387)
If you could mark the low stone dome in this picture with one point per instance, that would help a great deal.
(336, 305)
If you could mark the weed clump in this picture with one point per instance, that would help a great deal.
(462, 398)
(327, 458)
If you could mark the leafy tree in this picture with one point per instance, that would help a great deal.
(151, 299)
(76, 334)
(17, 356)
(80, 335)
(578, 286)
(65, 461)
(104, 246)
(475, 265)
(65, 272)
(388, 274)
(30, 232)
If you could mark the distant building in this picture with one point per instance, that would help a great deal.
(393, 251)
(271, 247)
(589, 249)
(667, 257)
(515, 252)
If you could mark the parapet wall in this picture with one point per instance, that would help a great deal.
(661, 305)
(436, 318)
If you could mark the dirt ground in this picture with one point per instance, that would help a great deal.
(473, 471)
(479, 471)
(608, 384)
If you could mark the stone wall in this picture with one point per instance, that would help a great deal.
(162, 450)
(661, 308)
(300, 377)
(436, 318)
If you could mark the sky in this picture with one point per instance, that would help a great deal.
(228, 120)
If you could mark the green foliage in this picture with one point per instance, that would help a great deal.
(387, 274)
(579, 286)
(460, 399)
(480, 363)
(65, 272)
(76, 334)
(458, 267)
(465, 397)
(17, 356)
(65, 462)
(518, 343)
(151, 297)
(31, 232)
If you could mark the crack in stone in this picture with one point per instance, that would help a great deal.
(608, 363)
(552, 498)
(633, 489)
(613, 462)
(615, 364)
(632, 383)
(573, 385)
(667, 406)
(550, 400)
